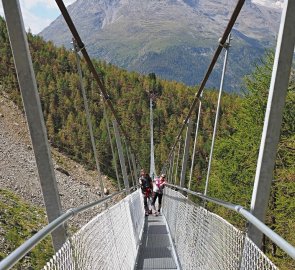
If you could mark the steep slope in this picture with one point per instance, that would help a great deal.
(18, 172)
(173, 38)
(20, 220)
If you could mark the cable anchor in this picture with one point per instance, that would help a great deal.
(77, 48)
(225, 45)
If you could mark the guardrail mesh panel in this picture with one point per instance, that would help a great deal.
(254, 258)
(136, 213)
(206, 241)
(108, 241)
(63, 257)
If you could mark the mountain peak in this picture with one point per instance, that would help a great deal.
(157, 35)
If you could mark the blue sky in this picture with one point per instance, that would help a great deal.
(38, 14)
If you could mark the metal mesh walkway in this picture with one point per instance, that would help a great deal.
(121, 237)
(202, 240)
(156, 250)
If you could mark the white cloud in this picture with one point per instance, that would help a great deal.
(1, 9)
(270, 3)
(46, 3)
(68, 2)
(28, 4)
(34, 22)
(38, 20)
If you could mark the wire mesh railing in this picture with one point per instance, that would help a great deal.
(108, 241)
(204, 240)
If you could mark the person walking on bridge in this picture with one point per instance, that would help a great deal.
(159, 184)
(146, 185)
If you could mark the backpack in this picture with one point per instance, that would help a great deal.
(145, 183)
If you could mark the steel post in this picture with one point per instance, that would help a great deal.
(33, 110)
(273, 118)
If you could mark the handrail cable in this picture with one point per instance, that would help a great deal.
(281, 242)
(222, 41)
(22, 250)
(90, 65)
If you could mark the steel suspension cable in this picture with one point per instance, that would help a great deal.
(186, 152)
(112, 146)
(121, 155)
(132, 171)
(135, 170)
(152, 160)
(177, 161)
(195, 142)
(90, 65)
(226, 46)
(129, 163)
(171, 167)
(222, 41)
(88, 118)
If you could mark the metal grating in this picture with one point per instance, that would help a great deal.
(156, 248)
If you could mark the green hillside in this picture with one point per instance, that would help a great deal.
(174, 53)
(18, 222)
(238, 136)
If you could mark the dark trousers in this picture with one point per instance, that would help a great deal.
(155, 196)
(145, 198)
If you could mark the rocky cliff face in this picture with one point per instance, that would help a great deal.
(173, 38)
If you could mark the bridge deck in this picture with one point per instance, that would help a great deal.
(156, 250)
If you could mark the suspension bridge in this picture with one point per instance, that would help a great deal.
(186, 235)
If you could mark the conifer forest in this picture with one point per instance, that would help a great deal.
(238, 136)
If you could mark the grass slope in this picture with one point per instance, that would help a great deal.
(18, 222)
